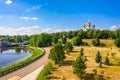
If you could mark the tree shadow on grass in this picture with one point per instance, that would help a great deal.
(54, 69)
(102, 45)
(89, 76)
(84, 44)
(53, 77)
(67, 63)
(75, 51)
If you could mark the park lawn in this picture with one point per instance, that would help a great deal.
(111, 72)
(109, 43)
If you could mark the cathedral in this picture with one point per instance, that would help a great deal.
(88, 26)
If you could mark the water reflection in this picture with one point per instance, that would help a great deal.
(17, 49)
(10, 55)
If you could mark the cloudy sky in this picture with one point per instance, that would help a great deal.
(36, 16)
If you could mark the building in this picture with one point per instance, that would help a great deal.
(88, 26)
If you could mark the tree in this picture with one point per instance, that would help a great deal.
(41, 40)
(64, 39)
(117, 42)
(98, 58)
(77, 41)
(100, 64)
(57, 53)
(68, 47)
(81, 52)
(79, 66)
(55, 39)
(107, 62)
(69, 34)
(96, 42)
(80, 33)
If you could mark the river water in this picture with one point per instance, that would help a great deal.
(11, 55)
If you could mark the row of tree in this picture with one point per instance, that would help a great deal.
(40, 40)
(15, 39)
(90, 34)
(98, 59)
(44, 39)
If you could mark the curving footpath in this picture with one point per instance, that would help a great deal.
(23, 72)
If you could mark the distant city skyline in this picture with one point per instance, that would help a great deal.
(20, 17)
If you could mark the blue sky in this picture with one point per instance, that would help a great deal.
(36, 16)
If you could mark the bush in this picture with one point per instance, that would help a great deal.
(46, 70)
(117, 42)
(68, 47)
(55, 40)
(77, 41)
(79, 65)
(97, 76)
(107, 62)
(113, 54)
(57, 53)
(96, 42)
(98, 58)
(64, 40)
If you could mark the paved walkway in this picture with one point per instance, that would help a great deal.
(23, 72)
(35, 73)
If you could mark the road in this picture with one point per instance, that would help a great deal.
(29, 68)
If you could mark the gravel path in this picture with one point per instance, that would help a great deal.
(28, 69)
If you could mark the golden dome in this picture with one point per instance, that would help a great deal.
(88, 24)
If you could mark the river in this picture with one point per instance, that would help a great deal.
(11, 55)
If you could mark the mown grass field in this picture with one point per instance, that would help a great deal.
(111, 72)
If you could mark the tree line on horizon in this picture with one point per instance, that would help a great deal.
(45, 39)
(14, 39)
(90, 34)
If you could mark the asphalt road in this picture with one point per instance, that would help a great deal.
(29, 68)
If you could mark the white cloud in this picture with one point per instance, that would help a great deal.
(34, 18)
(18, 31)
(47, 30)
(51, 30)
(9, 2)
(34, 8)
(28, 30)
(113, 27)
(28, 18)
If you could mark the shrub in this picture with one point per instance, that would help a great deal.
(46, 70)
(79, 65)
(57, 53)
(96, 42)
(64, 40)
(98, 58)
(117, 42)
(113, 54)
(107, 62)
(68, 47)
(77, 41)
(55, 40)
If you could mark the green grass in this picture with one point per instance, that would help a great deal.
(46, 70)
(36, 53)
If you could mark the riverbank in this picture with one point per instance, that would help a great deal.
(36, 53)
(30, 68)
